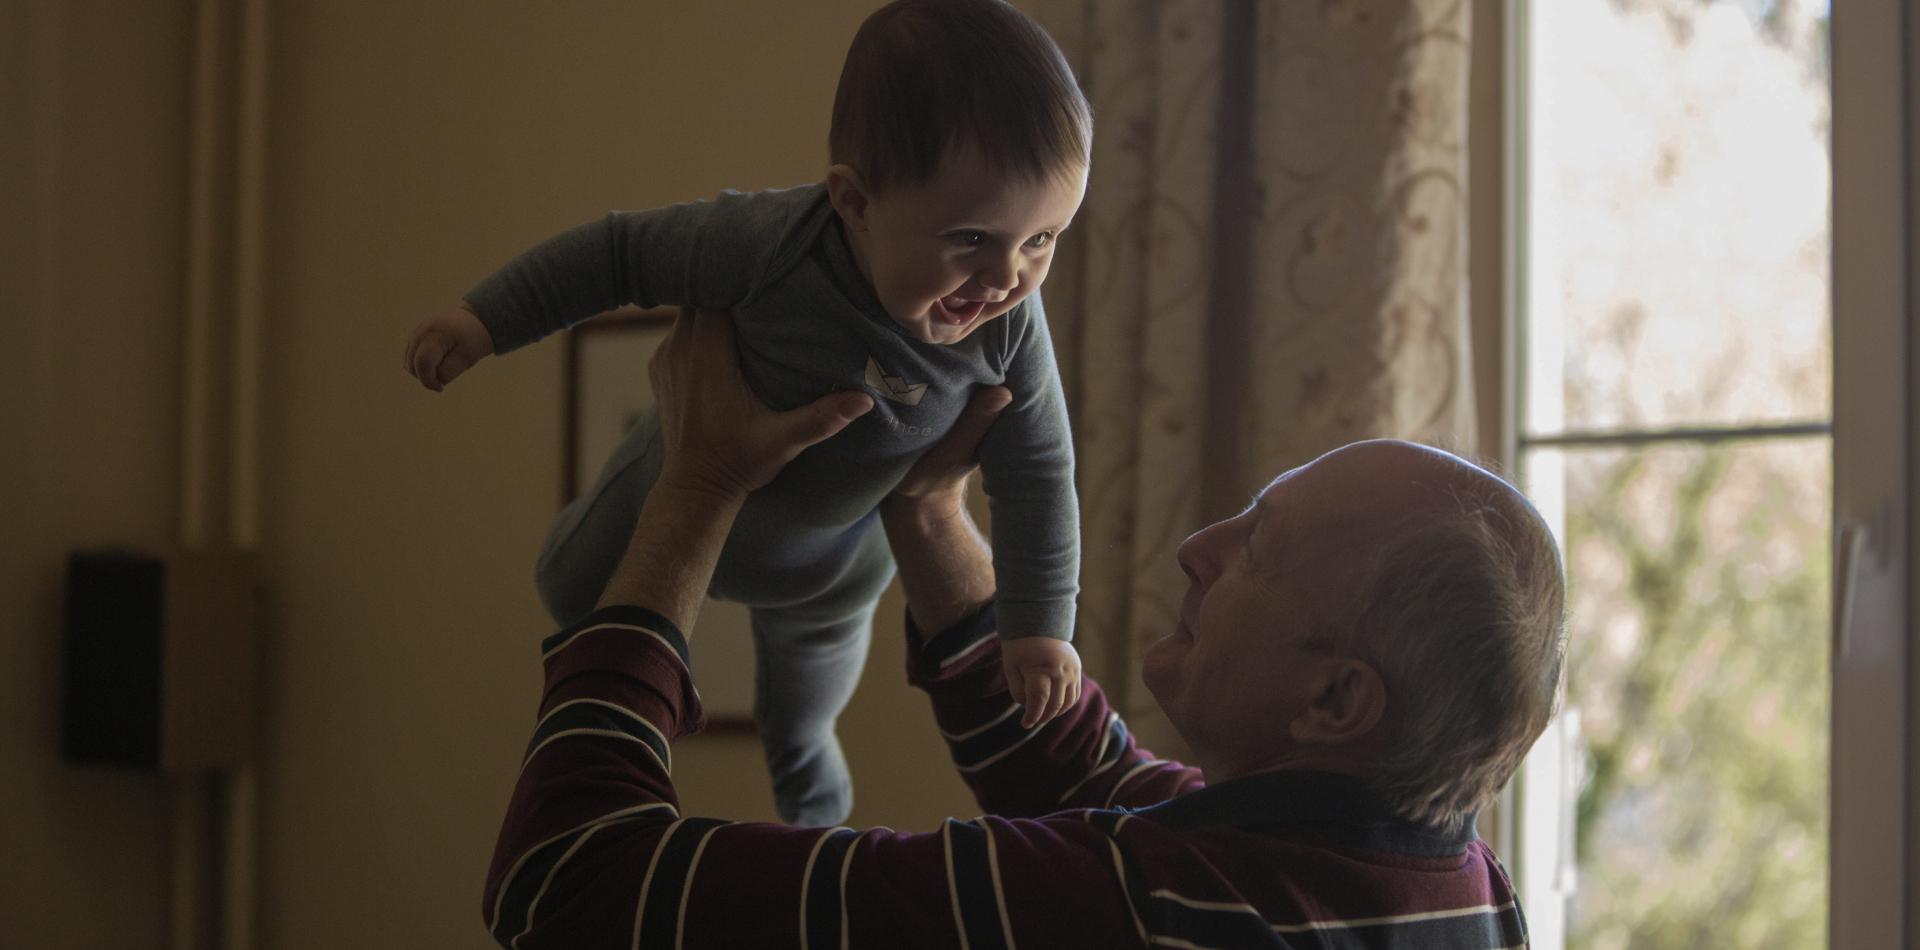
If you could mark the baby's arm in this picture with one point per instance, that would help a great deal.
(696, 254)
(1026, 465)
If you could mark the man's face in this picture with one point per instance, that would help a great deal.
(1265, 590)
(1230, 673)
(951, 253)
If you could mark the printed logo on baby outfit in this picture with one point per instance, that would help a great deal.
(893, 387)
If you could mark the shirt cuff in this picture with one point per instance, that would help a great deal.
(1037, 618)
(636, 646)
(952, 650)
(623, 615)
(489, 300)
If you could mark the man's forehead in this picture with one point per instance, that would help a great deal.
(1264, 498)
(1362, 482)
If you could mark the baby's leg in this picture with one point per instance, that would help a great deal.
(591, 534)
(812, 595)
(809, 660)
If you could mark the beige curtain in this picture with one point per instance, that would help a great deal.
(1270, 264)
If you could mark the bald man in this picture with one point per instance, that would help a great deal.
(1362, 659)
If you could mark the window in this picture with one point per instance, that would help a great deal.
(1675, 408)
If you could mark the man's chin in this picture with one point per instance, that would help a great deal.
(1158, 663)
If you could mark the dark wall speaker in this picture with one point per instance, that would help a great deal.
(159, 659)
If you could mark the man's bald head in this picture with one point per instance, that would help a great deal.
(1345, 507)
(1457, 597)
(1389, 610)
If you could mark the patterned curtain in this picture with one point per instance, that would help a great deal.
(1270, 264)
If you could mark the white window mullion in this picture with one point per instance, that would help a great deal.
(1542, 799)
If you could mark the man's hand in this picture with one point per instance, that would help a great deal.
(718, 435)
(1043, 674)
(939, 477)
(721, 444)
(944, 566)
(445, 345)
(943, 470)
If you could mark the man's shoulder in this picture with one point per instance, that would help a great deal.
(1232, 885)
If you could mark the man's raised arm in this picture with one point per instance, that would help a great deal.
(594, 850)
(1085, 758)
(944, 564)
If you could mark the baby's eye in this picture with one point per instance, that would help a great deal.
(1040, 240)
(967, 238)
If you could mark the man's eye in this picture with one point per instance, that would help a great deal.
(1040, 240)
(967, 238)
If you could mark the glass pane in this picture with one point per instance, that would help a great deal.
(1697, 663)
(1676, 215)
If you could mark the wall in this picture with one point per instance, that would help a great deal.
(91, 173)
(412, 147)
(91, 169)
(415, 147)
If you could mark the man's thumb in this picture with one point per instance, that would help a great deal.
(829, 414)
(982, 410)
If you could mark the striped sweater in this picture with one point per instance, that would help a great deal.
(1089, 841)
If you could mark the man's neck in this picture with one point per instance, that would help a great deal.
(1297, 760)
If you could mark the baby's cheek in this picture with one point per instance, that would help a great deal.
(1038, 275)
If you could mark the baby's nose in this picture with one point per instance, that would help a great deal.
(1002, 277)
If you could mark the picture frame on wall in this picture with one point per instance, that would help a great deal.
(605, 393)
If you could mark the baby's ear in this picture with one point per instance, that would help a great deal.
(849, 196)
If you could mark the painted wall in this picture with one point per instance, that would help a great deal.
(413, 147)
(92, 163)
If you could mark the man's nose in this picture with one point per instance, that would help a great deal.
(1192, 555)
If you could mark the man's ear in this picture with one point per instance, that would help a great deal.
(849, 195)
(1348, 701)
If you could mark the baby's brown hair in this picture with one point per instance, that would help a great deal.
(924, 76)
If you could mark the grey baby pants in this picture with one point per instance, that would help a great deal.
(811, 591)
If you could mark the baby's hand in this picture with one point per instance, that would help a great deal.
(1043, 674)
(445, 344)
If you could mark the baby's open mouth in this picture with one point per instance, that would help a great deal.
(957, 311)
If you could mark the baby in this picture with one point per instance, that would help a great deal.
(958, 153)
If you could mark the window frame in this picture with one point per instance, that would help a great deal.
(1874, 190)
(1876, 209)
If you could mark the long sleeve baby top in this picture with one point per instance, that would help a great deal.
(807, 324)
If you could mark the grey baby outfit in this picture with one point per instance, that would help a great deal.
(806, 553)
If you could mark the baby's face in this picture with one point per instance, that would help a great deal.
(949, 254)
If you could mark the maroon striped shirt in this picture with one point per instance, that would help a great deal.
(1089, 841)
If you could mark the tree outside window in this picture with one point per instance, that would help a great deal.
(1678, 354)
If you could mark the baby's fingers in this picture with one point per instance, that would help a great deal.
(1039, 690)
(1066, 692)
(1016, 684)
(427, 354)
(451, 366)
